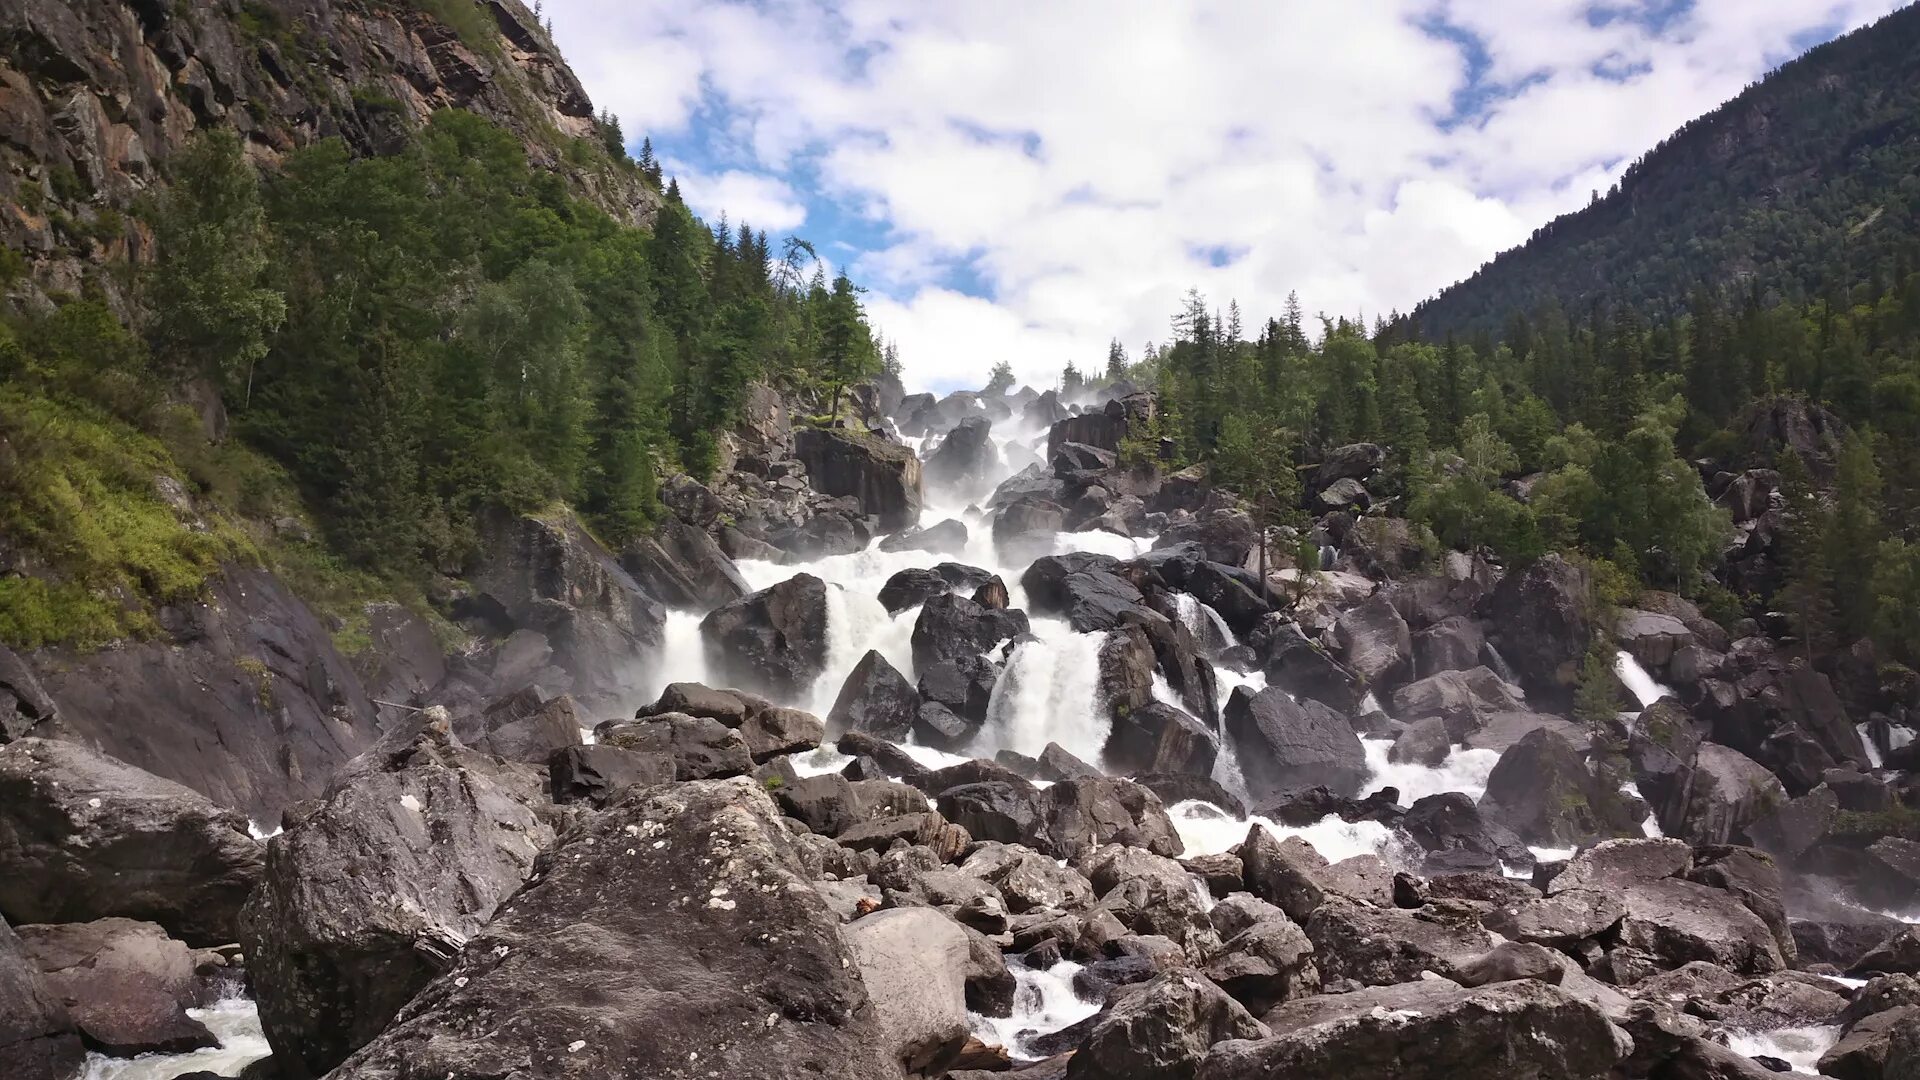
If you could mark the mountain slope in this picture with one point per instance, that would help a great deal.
(96, 96)
(1806, 181)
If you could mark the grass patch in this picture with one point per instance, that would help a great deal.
(79, 492)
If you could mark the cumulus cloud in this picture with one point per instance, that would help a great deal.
(1023, 181)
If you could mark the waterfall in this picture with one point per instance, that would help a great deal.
(1637, 681)
(1043, 1002)
(233, 1020)
(1049, 692)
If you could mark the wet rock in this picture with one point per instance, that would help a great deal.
(127, 985)
(1652, 638)
(667, 947)
(775, 732)
(1424, 742)
(1162, 1030)
(700, 748)
(1459, 838)
(1160, 738)
(1263, 960)
(883, 476)
(1304, 669)
(1001, 811)
(1613, 865)
(875, 699)
(367, 895)
(1783, 714)
(1286, 745)
(949, 537)
(1380, 946)
(1282, 874)
(598, 774)
(522, 727)
(1865, 1051)
(1547, 795)
(1898, 954)
(913, 962)
(1151, 895)
(916, 585)
(1466, 700)
(1752, 878)
(774, 640)
(38, 1040)
(1182, 787)
(682, 566)
(1373, 642)
(1431, 1030)
(1057, 763)
(1028, 880)
(893, 760)
(1680, 921)
(955, 628)
(1026, 526)
(1086, 813)
(1562, 921)
(85, 837)
(1541, 619)
(964, 685)
(548, 574)
(990, 984)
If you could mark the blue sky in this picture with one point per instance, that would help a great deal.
(1024, 181)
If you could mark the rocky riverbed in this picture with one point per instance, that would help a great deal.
(970, 742)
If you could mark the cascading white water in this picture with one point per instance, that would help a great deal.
(1043, 1003)
(1205, 830)
(1049, 692)
(1462, 770)
(1799, 1047)
(234, 1021)
(1640, 684)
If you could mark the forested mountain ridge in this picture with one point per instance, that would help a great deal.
(1807, 182)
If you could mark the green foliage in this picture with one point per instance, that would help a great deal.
(1596, 697)
(1000, 380)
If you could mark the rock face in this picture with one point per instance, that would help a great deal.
(1522, 1030)
(85, 837)
(1285, 745)
(774, 640)
(954, 628)
(875, 699)
(1161, 1030)
(368, 894)
(247, 701)
(1548, 796)
(683, 567)
(37, 1036)
(548, 575)
(883, 476)
(128, 983)
(114, 90)
(1542, 619)
(521, 727)
(671, 949)
(964, 459)
(914, 962)
(1376, 645)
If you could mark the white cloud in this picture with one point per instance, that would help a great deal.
(764, 202)
(1082, 158)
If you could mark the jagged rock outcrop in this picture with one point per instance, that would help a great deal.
(1285, 745)
(370, 893)
(244, 698)
(774, 640)
(85, 837)
(683, 567)
(547, 575)
(882, 476)
(1542, 619)
(653, 917)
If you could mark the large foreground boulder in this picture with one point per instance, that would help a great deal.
(672, 936)
(370, 893)
(85, 837)
(774, 641)
(1430, 1030)
(1161, 1030)
(37, 1037)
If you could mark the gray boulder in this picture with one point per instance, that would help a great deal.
(883, 476)
(774, 640)
(1429, 1030)
(127, 985)
(521, 727)
(38, 1040)
(914, 964)
(85, 837)
(1161, 1030)
(700, 747)
(875, 699)
(1373, 642)
(1284, 745)
(372, 891)
(682, 566)
(1380, 946)
(1541, 618)
(1680, 921)
(656, 917)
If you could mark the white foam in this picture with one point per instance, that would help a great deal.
(1049, 693)
(1866, 739)
(1463, 770)
(261, 832)
(1205, 829)
(1800, 1047)
(234, 1021)
(1638, 682)
(1043, 1003)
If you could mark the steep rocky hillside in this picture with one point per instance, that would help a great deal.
(97, 95)
(1802, 184)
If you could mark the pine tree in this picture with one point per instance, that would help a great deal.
(1071, 381)
(1808, 592)
(1853, 535)
(1001, 378)
(1116, 361)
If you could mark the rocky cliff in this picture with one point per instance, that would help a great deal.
(97, 95)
